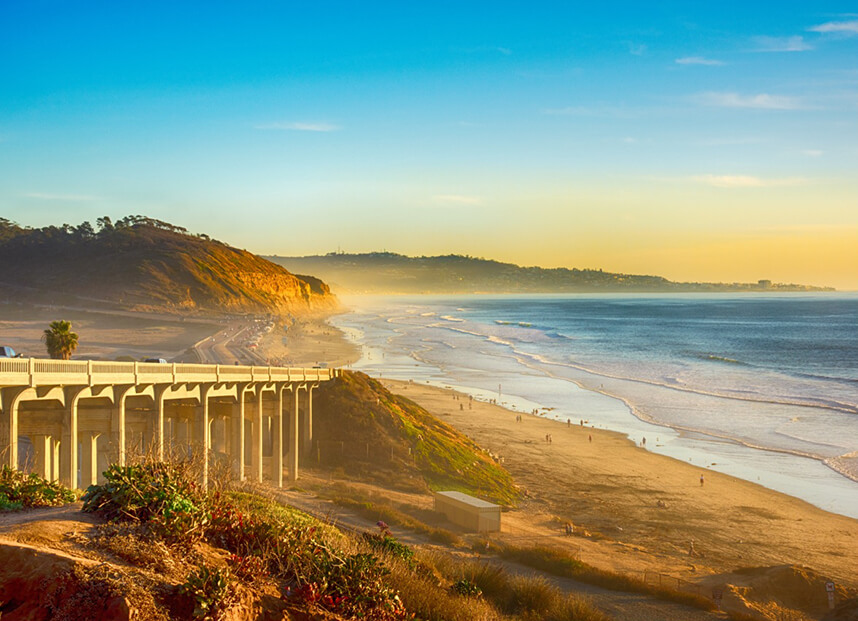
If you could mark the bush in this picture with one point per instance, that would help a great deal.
(160, 495)
(19, 490)
(466, 588)
(210, 590)
(392, 547)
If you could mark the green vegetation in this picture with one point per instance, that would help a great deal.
(19, 490)
(209, 589)
(387, 438)
(59, 340)
(290, 561)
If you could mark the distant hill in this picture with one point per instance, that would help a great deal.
(139, 263)
(385, 272)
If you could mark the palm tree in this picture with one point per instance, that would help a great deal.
(60, 340)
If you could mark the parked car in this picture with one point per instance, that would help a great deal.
(8, 352)
(158, 360)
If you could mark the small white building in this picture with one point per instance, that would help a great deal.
(469, 512)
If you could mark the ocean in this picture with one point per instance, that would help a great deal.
(762, 387)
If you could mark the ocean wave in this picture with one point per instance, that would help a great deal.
(814, 402)
(451, 318)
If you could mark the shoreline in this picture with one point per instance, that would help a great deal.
(787, 471)
(613, 487)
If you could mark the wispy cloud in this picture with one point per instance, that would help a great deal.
(745, 181)
(812, 152)
(762, 101)
(781, 44)
(848, 28)
(43, 196)
(457, 199)
(300, 127)
(637, 50)
(698, 60)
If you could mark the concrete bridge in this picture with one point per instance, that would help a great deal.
(81, 416)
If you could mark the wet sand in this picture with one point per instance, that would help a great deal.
(642, 510)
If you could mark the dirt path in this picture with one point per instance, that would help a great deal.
(616, 604)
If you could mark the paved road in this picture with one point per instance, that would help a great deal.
(618, 605)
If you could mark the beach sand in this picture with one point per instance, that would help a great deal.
(612, 489)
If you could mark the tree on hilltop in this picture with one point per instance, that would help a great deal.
(60, 340)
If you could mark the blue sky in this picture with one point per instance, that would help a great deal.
(714, 142)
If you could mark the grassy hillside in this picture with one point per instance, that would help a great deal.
(364, 428)
(144, 264)
(387, 272)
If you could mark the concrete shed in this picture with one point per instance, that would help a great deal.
(471, 513)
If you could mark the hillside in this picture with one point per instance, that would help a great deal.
(139, 263)
(378, 435)
(386, 272)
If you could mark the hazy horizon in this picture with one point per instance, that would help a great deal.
(698, 143)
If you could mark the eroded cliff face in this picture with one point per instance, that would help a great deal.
(144, 267)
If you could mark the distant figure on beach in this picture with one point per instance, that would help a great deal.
(701, 480)
(582, 422)
(461, 406)
(691, 548)
(643, 441)
(590, 438)
(568, 422)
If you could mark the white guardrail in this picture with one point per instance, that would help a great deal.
(43, 372)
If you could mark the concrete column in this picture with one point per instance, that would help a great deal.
(44, 449)
(219, 433)
(308, 424)
(256, 438)
(180, 434)
(237, 440)
(89, 460)
(11, 403)
(117, 423)
(293, 437)
(277, 441)
(55, 459)
(158, 434)
(70, 468)
(202, 441)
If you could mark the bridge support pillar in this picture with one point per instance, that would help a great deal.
(117, 423)
(11, 404)
(89, 460)
(44, 453)
(56, 445)
(202, 441)
(277, 441)
(293, 436)
(70, 437)
(236, 447)
(307, 438)
(256, 438)
(158, 432)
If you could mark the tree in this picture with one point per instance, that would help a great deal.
(60, 340)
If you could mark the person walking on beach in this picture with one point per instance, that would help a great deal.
(701, 480)
(590, 438)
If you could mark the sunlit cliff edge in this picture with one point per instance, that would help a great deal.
(143, 264)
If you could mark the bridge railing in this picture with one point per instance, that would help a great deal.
(37, 372)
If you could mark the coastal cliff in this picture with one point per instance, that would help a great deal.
(143, 264)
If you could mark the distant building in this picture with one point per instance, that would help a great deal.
(764, 284)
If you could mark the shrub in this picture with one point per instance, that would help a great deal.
(19, 490)
(392, 547)
(466, 588)
(210, 590)
(161, 495)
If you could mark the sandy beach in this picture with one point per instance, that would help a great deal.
(634, 510)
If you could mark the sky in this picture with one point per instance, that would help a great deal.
(696, 141)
